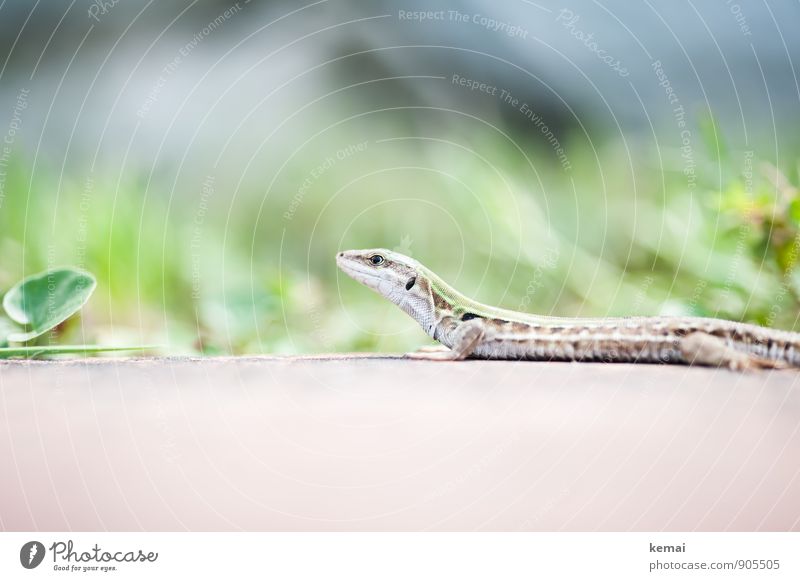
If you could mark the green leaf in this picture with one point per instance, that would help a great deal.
(48, 299)
(38, 351)
(6, 329)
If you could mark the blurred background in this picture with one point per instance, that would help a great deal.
(207, 159)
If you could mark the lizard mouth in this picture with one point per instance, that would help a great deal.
(356, 270)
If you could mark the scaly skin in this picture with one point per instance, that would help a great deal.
(470, 329)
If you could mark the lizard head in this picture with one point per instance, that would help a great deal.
(401, 279)
(389, 273)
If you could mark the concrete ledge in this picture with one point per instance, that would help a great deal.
(354, 442)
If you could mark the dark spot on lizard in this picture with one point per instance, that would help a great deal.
(469, 316)
(411, 282)
(439, 302)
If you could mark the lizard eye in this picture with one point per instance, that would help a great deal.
(377, 259)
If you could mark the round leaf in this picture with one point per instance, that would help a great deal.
(45, 300)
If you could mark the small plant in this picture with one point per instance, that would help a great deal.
(39, 304)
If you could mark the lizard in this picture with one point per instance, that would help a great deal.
(468, 329)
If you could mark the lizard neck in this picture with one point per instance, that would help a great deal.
(440, 305)
(448, 302)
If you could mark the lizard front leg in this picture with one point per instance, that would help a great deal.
(466, 337)
(704, 349)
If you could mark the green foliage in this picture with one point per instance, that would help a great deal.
(43, 301)
(760, 210)
(712, 138)
(621, 233)
(6, 328)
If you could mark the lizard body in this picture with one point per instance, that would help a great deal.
(468, 328)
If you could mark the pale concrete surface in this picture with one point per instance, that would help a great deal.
(388, 444)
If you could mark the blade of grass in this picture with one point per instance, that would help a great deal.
(38, 351)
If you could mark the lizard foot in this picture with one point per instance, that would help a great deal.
(432, 349)
(466, 338)
(433, 355)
